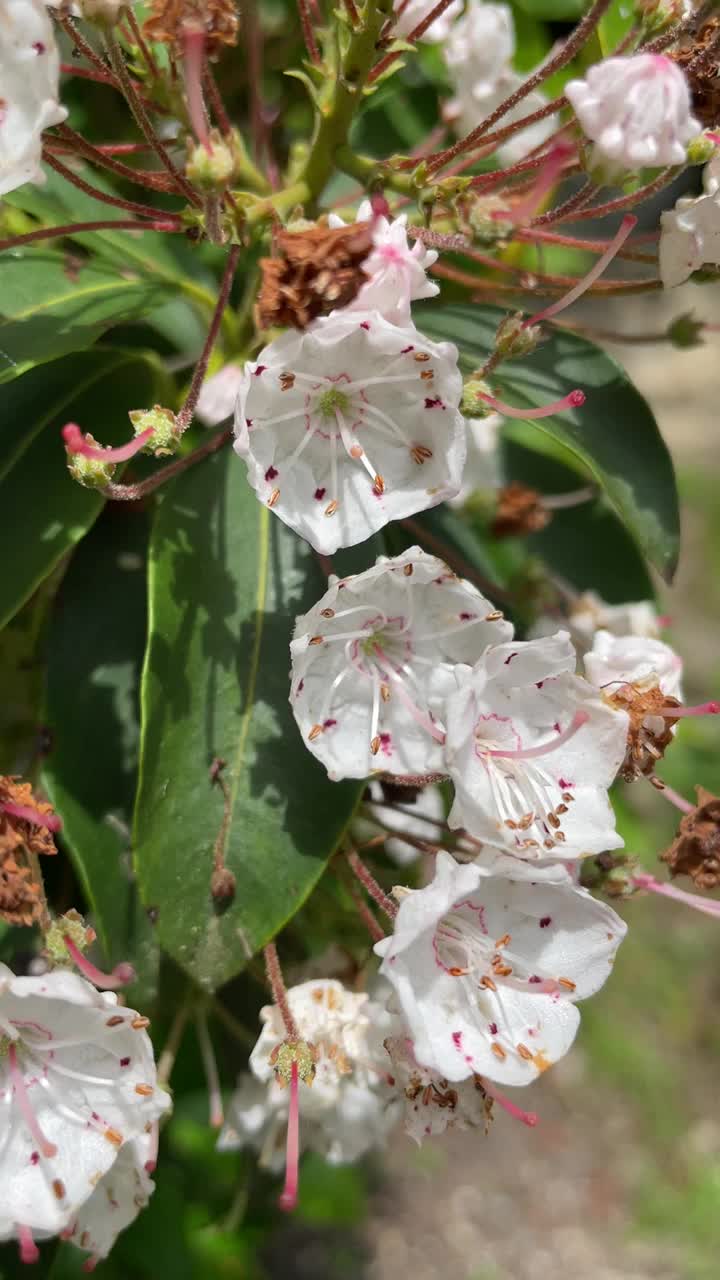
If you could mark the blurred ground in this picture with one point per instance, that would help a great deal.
(621, 1178)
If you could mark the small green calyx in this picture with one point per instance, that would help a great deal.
(213, 167)
(163, 424)
(701, 149)
(90, 472)
(331, 401)
(514, 338)
(472, 405)
(685, 331)
(71, 926)
(285, 1055)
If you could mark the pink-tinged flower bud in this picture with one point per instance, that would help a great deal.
(637, 112)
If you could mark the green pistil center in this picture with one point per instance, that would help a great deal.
(331, 400)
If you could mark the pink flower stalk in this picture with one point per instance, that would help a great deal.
(121, 975)
(26, 813)
(289, 1197)
(527, 1117)
(75, 442)
(553, 164)
(212, 1077)
(528, 753)
(617, 242)
(194, 41)
(708, 906)
(571, 401)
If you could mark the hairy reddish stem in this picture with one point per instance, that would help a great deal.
(276, 983)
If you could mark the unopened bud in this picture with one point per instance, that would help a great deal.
(71, 926)
(104, 13)
(472, 405)
(701, 149)
(685, 331)
(163, 424)
(223, 884)
(211, 168)
(89, 472)
(657, 15)
(290, 1052)
(514, 337)
(489, 219)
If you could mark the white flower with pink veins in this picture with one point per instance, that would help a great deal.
(396, 271)
(29, 89)
(218, 395)
(532, 749)
(115, 1203)
(487, 971)
(350, 424)
(636, 110)
(374, 660)
(638, 660)
(77, 1081)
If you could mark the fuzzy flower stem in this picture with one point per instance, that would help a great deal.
(216, 102)
(25, 1106)
(75, 442)
(570, 206)
(535, 235)
(374, 929)
(121, 975)
(136, 492)
(194, 41)
(624, 202)
(368, 881)
(207, 1053)
(83, 47)
(184, 418)
(308, 33)
(276, 982)
(75, 228)
(143, 121)
(130, 206)
(289, 1197)
(416, 33)
(565, 54)
(492, 140)
(571, 401)
(138, 37)
(99, 156)
(708, 906)
(618, 240)
(26, 813)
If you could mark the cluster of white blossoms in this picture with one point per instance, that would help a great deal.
(478, 51)
(80, 1111)
(690, 233)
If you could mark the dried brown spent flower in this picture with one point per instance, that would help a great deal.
(171, 20)
(519, 510)
(20, 897)
(695, 851)
(17, 833)
(650, 731)
(315, 270)
(703, 79)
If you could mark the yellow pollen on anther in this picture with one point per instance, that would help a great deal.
(567, 983)
(378, 485)
(315, 732)
(375, 745)
(139, 1024)
(524, 1052)
(273, 497)
(498, 1051)
(331, 507)
(144, 1090)
(112, 1136)
(408, 570)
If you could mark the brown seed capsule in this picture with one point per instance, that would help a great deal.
(313, 272)
(695, 851)
(519, 510)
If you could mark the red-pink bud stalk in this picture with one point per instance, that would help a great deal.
(571, 401)
(289, 1197)
(527, 1117)
(26, 813)
(29, 1252)
(75, 442)
(379, 206)
(552, 166)
(529, 753)
(707, 906)
(617, 242)
(194, 40)
(121, 975)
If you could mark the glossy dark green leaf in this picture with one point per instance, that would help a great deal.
(44, 511)
(613, 437)
(226, 581)
(95, 649)
(49, 307)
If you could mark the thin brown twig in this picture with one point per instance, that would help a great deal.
(136, 492)
(276, 982)
(75, 228)
(104, 197)
(185, 415)
(145, 50)
(140, 177)
(368, 881)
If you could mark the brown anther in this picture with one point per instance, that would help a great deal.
(331, 507)
(375, 745)
(495, 616)
(273, 497)
(511, 824)
(485, 981)
(112, 1136)
(170, 21)
(567, 797)
(316, 640)
(456, 972)
(526, 821)
(378, 485)
(314, 271)
(524, 1052)
(518, 511)
(420, 454)
(553, 820)
(287, 381)
(58, 1189)
(427, 375)
(408, 570)
(427, 1095)
(385, 692)
(695, 851)
(421, 357)
(139, 1024)
(315, 732)
(561, 808)
(115, 1021)
(548, 844)
(498, 1050)
(567, 983)
(327, 613)
(504, 941)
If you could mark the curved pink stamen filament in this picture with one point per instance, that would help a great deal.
(679, 801)
(75, 442)
(194, 61)
(617, 242)
(702, 709)
(553, 164)
(528, 753)
(289, 1197)
(571, 401)
(527, 1117)
(121, 975)
(29, 1251)
(25, 1106)
(422, 717)
(707, 906)
(27, 813)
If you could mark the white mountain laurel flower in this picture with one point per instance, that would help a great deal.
(487, 971)
(29, 90)
(374, 660)
(590, 613)
(350, 424)
(414, 13)
(532, 749)
(615, 660)
(636, 110)
(114, 1204)
(690, 233)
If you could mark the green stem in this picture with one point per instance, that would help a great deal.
(367, 170)
(336, 116)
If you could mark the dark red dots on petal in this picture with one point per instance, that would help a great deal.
(545, 921)
(319, 494)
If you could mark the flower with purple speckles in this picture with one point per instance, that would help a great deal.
(373, 661)
(486, 971)
(532, 749)
(350, 424)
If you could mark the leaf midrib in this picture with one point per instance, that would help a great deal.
(75, 294)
